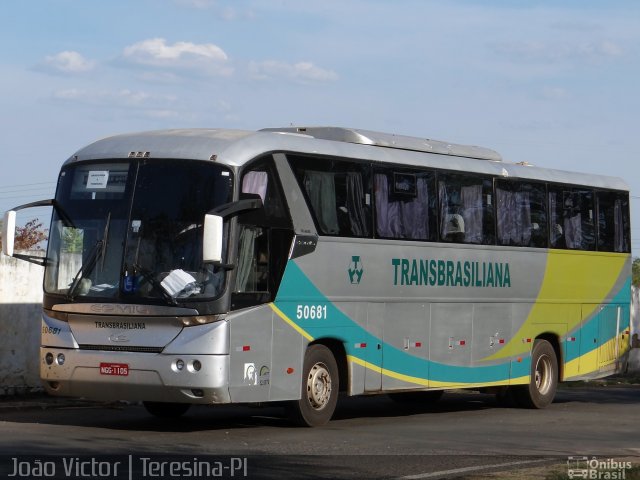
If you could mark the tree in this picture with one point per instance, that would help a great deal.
(30, 236)
(635, 272)
(72, 239)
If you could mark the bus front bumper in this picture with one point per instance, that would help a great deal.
(103, 375)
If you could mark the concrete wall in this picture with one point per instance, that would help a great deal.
(20, 312)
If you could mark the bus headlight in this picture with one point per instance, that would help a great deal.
(201, 319)
(48, 358)
(60, 360)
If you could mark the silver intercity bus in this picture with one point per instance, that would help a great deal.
(289, 265)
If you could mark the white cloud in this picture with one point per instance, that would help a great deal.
(301, 71)
(156, 51)
(206, 58)
(68, 62)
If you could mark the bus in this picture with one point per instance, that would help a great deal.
(291, 265)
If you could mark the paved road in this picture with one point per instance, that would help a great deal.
(370, 437)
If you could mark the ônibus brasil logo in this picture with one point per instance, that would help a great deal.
(355, 270)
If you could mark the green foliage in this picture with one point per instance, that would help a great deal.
(72, 239)
(635, 272)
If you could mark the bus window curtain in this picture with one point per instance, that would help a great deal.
(256, 182)
(356, 205)
(514, 217)
(415, 214)
(573, 231)
(556, 229)
(321, 188)
(471, 197)
(388, 223)
(505, 204)
(445, 215)
(402, 219)
(523, 201)
(246, 254)
(618, 227)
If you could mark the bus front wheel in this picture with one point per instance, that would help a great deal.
(320, 386)
(541, 390)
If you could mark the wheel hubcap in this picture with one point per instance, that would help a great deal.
(319, 386)
(543, 374)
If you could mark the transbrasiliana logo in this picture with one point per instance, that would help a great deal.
(355, 270)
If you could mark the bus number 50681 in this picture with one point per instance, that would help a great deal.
(311, 312)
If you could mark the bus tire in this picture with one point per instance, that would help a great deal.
(320, 386)
(430, 396)
(166, 410)
(541, 390)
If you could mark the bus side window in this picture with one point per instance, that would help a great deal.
(253, 260)
(405, 204)
(466, 209)
(613, 222)
(338, 194)
(572, 217)
(521, 214)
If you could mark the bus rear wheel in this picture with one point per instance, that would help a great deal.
(320, 386)
(166, 410)
(541, 390)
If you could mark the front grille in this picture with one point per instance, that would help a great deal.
(120, 348)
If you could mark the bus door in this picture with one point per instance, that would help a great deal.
(609, 325)
(600, 342)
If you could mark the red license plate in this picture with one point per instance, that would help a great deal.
(119, 369)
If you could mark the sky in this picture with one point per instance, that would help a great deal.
(552, 83)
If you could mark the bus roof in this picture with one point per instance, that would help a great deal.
(236, 147)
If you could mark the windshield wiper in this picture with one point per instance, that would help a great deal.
(98, 251)
(87, 267)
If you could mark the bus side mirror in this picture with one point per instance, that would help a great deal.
(212, 239)
(8, 232)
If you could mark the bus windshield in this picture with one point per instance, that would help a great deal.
(132, 231)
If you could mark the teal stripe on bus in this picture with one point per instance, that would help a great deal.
(296, 288)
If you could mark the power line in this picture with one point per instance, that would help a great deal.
(31, 189)
(27, 184)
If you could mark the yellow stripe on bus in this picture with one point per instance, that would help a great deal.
(575, 284)
(400, 376)
(281, 314)
(431, 383)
